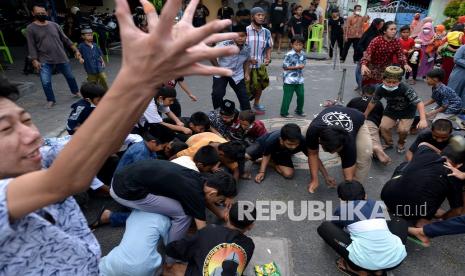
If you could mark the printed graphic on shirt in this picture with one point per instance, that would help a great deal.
(225, 259)
(76, 114)
(338, 119)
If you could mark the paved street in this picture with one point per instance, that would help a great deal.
(306, 252)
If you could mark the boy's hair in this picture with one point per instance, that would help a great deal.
(357, 6)
(458, 27)
(442, 125)
(8, 90)
(291, 132)
(333, 137)
(92, 90)
(207, 155)
(298, 38)
(233, 150)
(436, 73)
(457, 157)
(239, 28)
(158, 132)
(176, 146)
(247, 115)
(166, 92)
(223, 182)
(200, 119)
(351, 190)
(405, 27)
(241, 222)
(368, 90)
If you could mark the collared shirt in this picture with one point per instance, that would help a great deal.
(445, 96)
(258, 40)
(234, 62)
(354, 26)
(217, 122)
(54, 240)
(292, 58)
(92, 56)
(136, 152)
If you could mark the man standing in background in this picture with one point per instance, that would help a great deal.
(353, 31)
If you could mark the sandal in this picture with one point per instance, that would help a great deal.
(97, 222)
(344, 269)
(400, 148)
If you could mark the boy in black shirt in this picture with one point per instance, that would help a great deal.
(218, 250)
(91, 93)
(341, 130)
(170, 189)
(373, 120)
(418, 188)
(438, 136)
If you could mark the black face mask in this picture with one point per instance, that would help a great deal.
(41, 17)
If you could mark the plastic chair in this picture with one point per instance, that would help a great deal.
(316, 32)
(5, 50)
(97, 37)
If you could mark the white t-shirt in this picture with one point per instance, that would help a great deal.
(186, 162)
(152, 113)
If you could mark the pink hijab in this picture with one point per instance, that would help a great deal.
(426, 38)
(419, 27)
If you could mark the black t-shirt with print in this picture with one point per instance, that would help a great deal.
(422, 180)
(308, 18)
(296, 24)
(278, 14)
(336, 26)
(401, 103)
(427, 136)
(218, 249)
(225, 13)
(162, 178)
(361, 103)
(349, 119)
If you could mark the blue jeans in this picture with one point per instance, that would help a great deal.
(46, 79)
(358, 74)
(452, 226)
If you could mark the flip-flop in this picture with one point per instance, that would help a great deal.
(415, 240)
(96, 223)
(344, 269)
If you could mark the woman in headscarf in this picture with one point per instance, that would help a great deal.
(373, 31)
(383, 51)
(457, 77)
(419, 26)
(415, 22)
(426, 37)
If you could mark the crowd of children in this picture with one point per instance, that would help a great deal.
(171, 169)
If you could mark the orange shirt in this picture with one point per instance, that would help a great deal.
(354, 27)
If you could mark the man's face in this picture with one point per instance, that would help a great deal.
(289, 144)
(357, 10)
(227, 119)
(196, 129)
(39, 11)
(240, 40)
(168, 101)
(440, 136)
(259, 18)
(209, 168)
(20, 141)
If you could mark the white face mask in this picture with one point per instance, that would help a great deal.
(426, 31)
(390, 88)
(417, 45)
(357, 12)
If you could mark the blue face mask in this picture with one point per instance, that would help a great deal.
(390, 88)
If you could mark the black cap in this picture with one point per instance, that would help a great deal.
(228, 108)
(239, 28)
(351, 190)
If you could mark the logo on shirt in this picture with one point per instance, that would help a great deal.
(225, 259)
(338, 119)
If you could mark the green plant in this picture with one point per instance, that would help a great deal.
(453, 10)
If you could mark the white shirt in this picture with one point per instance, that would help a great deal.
(152, 113)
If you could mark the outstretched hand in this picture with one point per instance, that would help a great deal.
(169, 51)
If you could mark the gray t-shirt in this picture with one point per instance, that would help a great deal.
(45, 43)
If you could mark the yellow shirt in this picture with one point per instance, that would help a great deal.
(455, 38)
(195, 142)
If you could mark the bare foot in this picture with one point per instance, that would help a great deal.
(312, 188)
(383, 158)
(419, 234)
